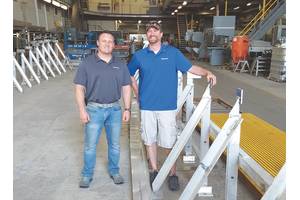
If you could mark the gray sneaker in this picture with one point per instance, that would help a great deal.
(117, 178)
(85, 182)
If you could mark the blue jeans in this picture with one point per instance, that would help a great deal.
(110, 118)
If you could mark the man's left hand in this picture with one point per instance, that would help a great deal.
(211, 77)
(126, 116)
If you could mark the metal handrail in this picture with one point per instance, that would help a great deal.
(262, 13)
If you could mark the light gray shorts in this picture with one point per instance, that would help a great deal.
(160, 127)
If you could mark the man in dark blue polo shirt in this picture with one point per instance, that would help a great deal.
(157, 94)
(100, 79)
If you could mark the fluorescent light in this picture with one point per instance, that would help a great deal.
(139, 21)
(204, 13)
(48, 1)
(63, 6)
(159, 21)
(184, 3)
(176, 10)
(172, 13)
(179, 7)
(212, 8)
(249, 4)
(56, 3)
(236, 8)
(120, 21)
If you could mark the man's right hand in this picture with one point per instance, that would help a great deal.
(84, 117)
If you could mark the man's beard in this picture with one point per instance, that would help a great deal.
(152, 41)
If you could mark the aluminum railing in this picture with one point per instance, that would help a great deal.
(228, 137)
(41, 61)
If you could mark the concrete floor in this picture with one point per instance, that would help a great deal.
(48, 145)
(48, 138)
(262, 97)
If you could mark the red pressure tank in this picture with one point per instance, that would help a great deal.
(239, 50)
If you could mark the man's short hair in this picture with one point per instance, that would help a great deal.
(154, 24)
(107, 32)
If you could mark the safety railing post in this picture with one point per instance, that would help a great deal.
(211, 157)
(278, 186)
(32, 62)
(180, 143)
(17, 84)
(39, 67)
(55, 56)
(24, 59)
(45, 61)
(180, 84)
(204, 142)
(232, 158)
(189, 157)
(15, 81)
(19, 68)
(19, 51)
(66, 59)
(50, 58)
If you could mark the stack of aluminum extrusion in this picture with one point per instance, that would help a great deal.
(278, 65)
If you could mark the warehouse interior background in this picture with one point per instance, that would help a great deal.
(248, 44)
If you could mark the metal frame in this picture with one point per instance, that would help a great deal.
(27, 64)
(182, 140)
(39, 62)
(19, 68)
(50, 49)
(278, 186)
(230, 128)
(243, 64)
(45, 51)
(228, 137)
(39, 67)
(58, 50)
(41, 54)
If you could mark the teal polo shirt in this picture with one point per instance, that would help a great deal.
(158, 76)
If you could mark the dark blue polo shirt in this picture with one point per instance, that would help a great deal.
(103, 81)
(158, 76)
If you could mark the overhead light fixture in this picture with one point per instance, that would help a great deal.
(172, 13)
(120, 21)
(212, 8)
(249, 4)
(179, 7)
(56, 3)
(176, 10)
(204, 13)
(140, 21)
(184, 3)
(236, 8)
(159, 21)
(63, 6)
(48, 1)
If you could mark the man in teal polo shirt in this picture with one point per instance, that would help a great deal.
(157, 94)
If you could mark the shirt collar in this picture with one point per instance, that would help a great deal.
(98, 59)
(162, 49)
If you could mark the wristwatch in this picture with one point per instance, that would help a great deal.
(127, 109)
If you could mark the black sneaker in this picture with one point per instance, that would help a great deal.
(173, 183)
(152, 176)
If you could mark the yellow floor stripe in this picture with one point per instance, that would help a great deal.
(265, 143)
